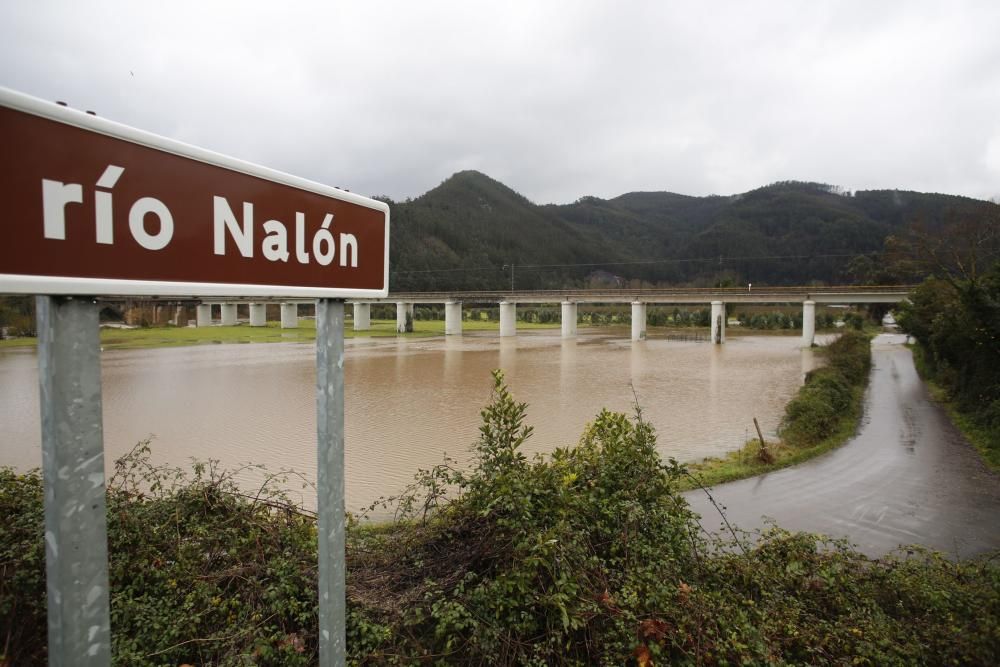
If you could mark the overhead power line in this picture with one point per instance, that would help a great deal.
(716, 259)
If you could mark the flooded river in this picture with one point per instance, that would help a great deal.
(408, 401)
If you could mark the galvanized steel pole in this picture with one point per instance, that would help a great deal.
(76, 536)
(330, 482)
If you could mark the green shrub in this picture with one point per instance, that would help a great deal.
(854, 321)
(809, 418)
(552, 538)
(851, 355)
(23, 625)
(832, 385)
(200, 573)
(829, 395)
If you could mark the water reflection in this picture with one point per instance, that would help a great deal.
(409, 401)
(568, 378)
(637, 360)
(714, 374)
(452, 359)
(808, 361)
(508, 355)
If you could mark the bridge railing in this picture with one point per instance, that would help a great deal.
(705, 294)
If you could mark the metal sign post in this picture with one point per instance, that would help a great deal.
(76, 535)
(92, 207)
(330, 481)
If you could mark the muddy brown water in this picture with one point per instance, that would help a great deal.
(408, 401)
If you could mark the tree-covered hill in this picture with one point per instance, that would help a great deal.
(465, 233)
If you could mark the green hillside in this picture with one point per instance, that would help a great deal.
(461, 234)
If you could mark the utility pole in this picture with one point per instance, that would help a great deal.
(511, 266)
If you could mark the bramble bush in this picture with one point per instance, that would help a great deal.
(200, 572)
(587, 556)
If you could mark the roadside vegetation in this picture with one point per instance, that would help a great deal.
(586, 556)
(956, 324)
(823, 415)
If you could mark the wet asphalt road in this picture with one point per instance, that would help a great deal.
(907, 477)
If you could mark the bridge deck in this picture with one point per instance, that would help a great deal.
(879, 294)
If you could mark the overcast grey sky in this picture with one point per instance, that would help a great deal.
(556, 99)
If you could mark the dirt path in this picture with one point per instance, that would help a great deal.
(908, 477)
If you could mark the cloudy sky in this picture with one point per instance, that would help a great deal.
(556, 99)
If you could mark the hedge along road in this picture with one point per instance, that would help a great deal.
(907, 477)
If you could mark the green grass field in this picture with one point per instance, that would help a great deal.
(272, 333)
(167, 336)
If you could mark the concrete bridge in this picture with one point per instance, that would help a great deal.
(570, 299)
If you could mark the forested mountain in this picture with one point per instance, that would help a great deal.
(463, 233)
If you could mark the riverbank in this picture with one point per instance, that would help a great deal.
(823, 415)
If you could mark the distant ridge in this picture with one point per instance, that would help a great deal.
(462, 233)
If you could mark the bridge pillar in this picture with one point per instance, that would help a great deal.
(362, 316)
(568, 319)
(289, 316)
(808, 323)
(452, 318)
(718, 322)
(258, 315)
(403, 309)
(638, 320)
(228, 314)
(508, 318)
(203, 315)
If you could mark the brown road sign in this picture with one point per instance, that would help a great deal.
(94, 207)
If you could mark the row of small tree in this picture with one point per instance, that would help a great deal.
(954, 315)
(956, 323)
(657, 317)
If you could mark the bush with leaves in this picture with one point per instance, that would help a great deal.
(828, 399)
(241, 567)
(557, 542)
(200, 572)
(22, 569)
